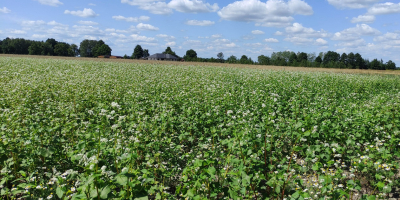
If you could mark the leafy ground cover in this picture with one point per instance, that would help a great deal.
(75, 129)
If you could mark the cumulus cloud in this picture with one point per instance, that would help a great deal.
(33, 23)
(17, 32)
(50, 2)
(192, 6)
(278, 33)
(131, 19)
(216, 36)
(141, 38)
(275, 13)
(86, 12)
(153, 6)
(363, 19)
(167, 38)
(299, 40)
(355, 32)
(301, 31)
(200, 23)
(257, 32)
(88, 23)
(354, 4)
(353, 43)
(38, 36)
(384, 8)
(5, 10)
(170, 44)
(321, 41)
(147, 27)
(271, 40)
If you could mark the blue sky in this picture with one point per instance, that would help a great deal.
(244, 27)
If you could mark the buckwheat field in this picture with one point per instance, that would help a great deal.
(79, 129)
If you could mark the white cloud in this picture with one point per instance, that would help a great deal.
(171, 44)
(17, 32)
(192, 6)
(50, 2)
(5, 10)
(384, 8)
(38, 36)
(131, 19)
(278, 33)
(354, 4)
(200, 23)
(321, 41)
(147, 27)
(230, 45)
(354, 32)
(54, 23)
(388, 37)
(141, 38)
(86, 12)
(271, 13)
(167, 38)
(33, 23)
(88, 23)
(353, 43)
(363, 19)
(299, 40)
(271, 40)
(257, 32)
(92, 4)
(153, 6)
(216, 36)
(301, 31)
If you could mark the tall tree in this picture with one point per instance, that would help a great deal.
(390, 65)
(264, 60)
(232, 59)
(351, 60)
(244, 59)
(343, 58)
(168, 50)
(331, 56)
(96, 48)
(191, 55)
(1, 43)
(86, 48)
(146, 53)
(220, 56)
(293, 59)
(359, 61)
(137, 52)
(104, 49)
(35, 48)
(62, 49)
(74, 49)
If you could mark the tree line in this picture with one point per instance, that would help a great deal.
(52, 47)
(95, 48)
(328, 59)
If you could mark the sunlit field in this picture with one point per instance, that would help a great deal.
(90, 129)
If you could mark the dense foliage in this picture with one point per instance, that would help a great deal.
(99, 130)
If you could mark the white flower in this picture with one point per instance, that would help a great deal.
(258, 135)
(263, 105)
(50, 196)
(114, 104)
(73, 189)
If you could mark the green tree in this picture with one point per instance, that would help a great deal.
(191, 55)
(232, 59)
(331, 56)
(343, 58)
(264, 60)
(293, 59)
(96, 48)
(86, 48)
(390, 65)
(146, 53)
(359, 61)
(351, 61)
(74, 49)
(374, 64)
(137, 52)
(104, 49)
(220, 56)
(61, 49)
(35, 48)
(47, 49)
(168, 50)
(243, 59)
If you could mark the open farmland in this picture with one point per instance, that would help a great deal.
(88, 129)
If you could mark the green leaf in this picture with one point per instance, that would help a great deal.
(142, 198)
(104, 192)
(307, 133)
(158, 196)
(278, 189)
(371, 197)
(22, 173)
(59, 192)
(122, 180)
(296, 195)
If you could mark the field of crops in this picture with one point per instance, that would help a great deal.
(73, 129)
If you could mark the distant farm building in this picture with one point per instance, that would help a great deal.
(112, 57)
(160, 56)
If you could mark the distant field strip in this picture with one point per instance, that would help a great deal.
(94, 129)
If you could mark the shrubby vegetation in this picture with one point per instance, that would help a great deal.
(98, 130)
